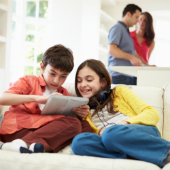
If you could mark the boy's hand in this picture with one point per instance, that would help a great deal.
(56, 93)
(81, 111)
(43, 99)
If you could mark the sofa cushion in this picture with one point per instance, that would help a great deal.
(151, 95)
(51, 161)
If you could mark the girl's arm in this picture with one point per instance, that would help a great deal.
(145, 114)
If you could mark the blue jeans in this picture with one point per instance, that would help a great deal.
(118, 141)
(121, 79)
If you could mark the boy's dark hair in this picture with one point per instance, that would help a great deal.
(59, 57)
(131, 8)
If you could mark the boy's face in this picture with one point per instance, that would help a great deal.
(53, 77)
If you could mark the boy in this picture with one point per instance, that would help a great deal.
(23, 129)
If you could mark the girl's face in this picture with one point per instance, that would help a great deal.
(88, 82)
(142, 22)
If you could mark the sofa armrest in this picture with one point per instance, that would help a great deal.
(0, 109)
(3, 109)
(166, 129)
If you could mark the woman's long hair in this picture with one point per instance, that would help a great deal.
(149, 31)
(99, 68)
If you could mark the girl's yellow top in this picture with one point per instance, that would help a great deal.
(131, 105)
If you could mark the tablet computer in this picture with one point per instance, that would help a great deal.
(63, 105)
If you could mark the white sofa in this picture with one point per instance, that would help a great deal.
(65, 160)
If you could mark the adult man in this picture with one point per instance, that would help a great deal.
(121, 48)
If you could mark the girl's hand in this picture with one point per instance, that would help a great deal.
(101, 131)
(120, 123)
(123, 123)
(43, 99)
(82, 111)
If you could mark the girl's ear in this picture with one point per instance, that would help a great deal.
(103, 82)
(42, 67)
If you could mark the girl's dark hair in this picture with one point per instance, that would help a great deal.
(59, 57)
(149, 32)
(99, 68)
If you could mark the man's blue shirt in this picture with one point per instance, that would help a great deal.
(119, 35)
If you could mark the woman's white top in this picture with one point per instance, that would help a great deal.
(104, 118)
(47, 92)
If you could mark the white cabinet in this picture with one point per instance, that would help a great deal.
(107, 14)
(146, 76)
(5, 20)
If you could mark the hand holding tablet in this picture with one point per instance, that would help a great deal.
(63, 105)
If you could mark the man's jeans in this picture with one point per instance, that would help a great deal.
(121, 79)
(119, 141)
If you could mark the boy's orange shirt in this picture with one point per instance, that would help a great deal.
(27, 115)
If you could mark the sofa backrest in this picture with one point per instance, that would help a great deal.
(151, 95)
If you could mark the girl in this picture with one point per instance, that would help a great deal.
(143, 37)
(127, 124)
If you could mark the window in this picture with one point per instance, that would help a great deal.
(30, 36)
(159, 57)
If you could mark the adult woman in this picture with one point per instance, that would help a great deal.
(143, 37)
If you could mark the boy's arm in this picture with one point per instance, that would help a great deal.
(19, 92)
(16, 99)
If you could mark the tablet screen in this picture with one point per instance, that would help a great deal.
(63, 105)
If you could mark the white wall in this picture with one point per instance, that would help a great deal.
(75, 24)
